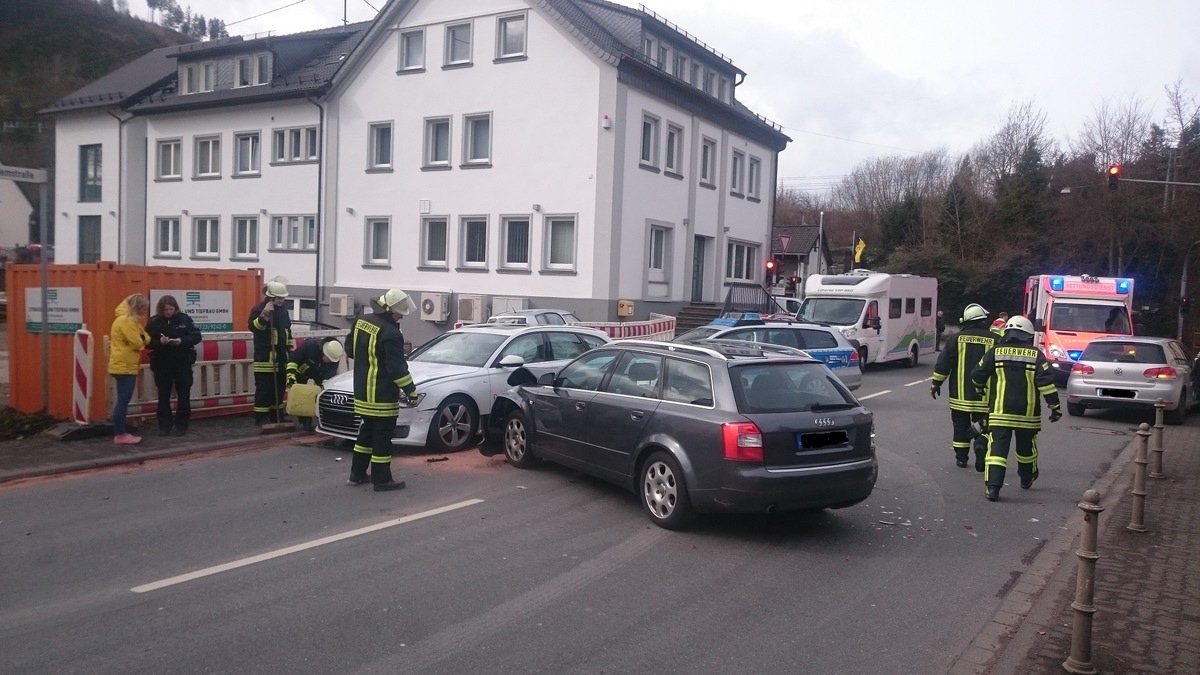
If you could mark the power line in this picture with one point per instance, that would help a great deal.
(269, 11)
(851, 140)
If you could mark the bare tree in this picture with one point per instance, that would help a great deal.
(1024, 126)
(1115, 134)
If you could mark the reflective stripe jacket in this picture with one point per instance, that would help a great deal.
(308, 362)
(272, 341)
(959, 357)
(380, 369)
(1014, 373)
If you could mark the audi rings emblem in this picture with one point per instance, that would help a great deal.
(823, 421)
(340, 399)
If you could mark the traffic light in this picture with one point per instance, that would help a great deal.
(772, 267)
(1184, 305)
(1114, 175)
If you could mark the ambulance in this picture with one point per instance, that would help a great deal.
(891, 316)
(1068, 312)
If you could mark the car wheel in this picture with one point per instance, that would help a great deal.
(862, 359)
(1075, 409)
(913, 355)
(515, 436)
(454, 425)
(1179, 414)
(664, 492)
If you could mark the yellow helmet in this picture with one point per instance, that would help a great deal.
(333, 350)
(396, 300)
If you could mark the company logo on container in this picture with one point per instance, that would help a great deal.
(192, 298)
(52, 294)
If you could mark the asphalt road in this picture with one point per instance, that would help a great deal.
(267, 562)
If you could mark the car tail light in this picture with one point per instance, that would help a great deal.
(1161, 373)
(1082, 369)
(854, 356)
(743, 442)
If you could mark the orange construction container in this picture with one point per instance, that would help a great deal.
(98, 287)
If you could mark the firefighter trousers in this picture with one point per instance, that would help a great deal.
(373, 449)
(999, 438)
(268, 396)
(961, 421)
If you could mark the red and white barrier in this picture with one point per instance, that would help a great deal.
(81, 377)
(659, 327)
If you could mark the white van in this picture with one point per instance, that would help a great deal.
(891, 316)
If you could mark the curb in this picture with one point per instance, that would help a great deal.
(1004, 642)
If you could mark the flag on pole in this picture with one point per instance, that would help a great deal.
(858, 249)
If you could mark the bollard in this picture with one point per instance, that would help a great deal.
(1138, 518)
(1156, 441)
(1080, 660)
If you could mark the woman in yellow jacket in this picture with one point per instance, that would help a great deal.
(126, 341)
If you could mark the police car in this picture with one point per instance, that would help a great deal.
(821, 342)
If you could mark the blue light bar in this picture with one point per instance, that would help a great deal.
(1074, 354)
(1056, 283)
(1123, 286)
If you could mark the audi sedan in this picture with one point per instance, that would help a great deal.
(1133, 372)
(458, 374)
(717, 426)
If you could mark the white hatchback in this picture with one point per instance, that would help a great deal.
(459, 374)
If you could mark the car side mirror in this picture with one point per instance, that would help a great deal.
(1039, 325)
(548, 379)
(512, 361)
(521, 376)
(874, 322)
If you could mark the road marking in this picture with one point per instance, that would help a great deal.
(913, 384)
(209, 571)
(878, 393)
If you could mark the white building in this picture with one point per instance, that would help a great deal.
(481, 154)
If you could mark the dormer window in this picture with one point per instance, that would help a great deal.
(196, 77)
(252, 71)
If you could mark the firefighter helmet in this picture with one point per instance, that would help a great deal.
(275, 289)
(1019, 323)
(333, 350)
(396, 301)
(973, 312)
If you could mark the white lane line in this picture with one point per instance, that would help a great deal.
(878, 393)
(208, 571)
(912, 384)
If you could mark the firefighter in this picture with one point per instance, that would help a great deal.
(272, 329)
(1014, 373)
(381, 382)
(315, 360)
(967, 406)
(998, 324)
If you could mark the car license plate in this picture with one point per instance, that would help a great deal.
(822, 439)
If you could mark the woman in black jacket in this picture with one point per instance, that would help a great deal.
(173, 340)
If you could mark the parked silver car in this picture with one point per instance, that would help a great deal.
(1133, 372)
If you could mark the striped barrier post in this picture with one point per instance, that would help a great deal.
(81, 380)
(658, 327)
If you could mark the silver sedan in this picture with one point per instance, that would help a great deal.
(1133, 372)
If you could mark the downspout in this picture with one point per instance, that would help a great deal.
(120, 188)
(317, 289)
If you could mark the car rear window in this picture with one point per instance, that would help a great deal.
(818, 339)
(788, 387)
(1124, 352)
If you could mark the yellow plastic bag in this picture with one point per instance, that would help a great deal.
(302, 400)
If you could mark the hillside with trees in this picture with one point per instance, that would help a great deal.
(1020, 203)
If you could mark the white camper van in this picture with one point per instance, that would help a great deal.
(890, 316)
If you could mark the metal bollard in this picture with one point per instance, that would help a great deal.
(1080, 660)
(1138, 518)
(1156, 442)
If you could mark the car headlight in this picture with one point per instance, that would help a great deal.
(404, 402)
(1057, 352)
(850, 331)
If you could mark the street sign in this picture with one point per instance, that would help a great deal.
(23, 175)
(785, 240)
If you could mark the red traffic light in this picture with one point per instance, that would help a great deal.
(770, 265)
(1114, 175)
(1114, 170)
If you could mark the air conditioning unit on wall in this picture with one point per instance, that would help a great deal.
(341, 304)
(435, 307)
(470, 308)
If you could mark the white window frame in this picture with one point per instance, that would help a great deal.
(506, 253)
(648, 148)
(247, 154)
(741, 261)
(166, 243)
(502, 24)
(294, 145)
(252, 71)
(212, 168)
(466, 225)
(673, 152)
(754, 179)
(723, 89)
(708, 161)
(431, 145)
(293, 233)
(375, 160)
(664, 53)
(697, 79)
(173, 147)
(737, 174)
(470, 136)
(456, 29)
(407, 38)
(658, 254)
(244, 245)
(680, 69)
(206, 229)
(372, 247)
(435, 258)
(710, 82)
(548, 239)
(647, 47)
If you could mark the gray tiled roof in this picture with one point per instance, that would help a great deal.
(804, 239)
(123, 84)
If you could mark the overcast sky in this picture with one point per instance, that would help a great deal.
(853, 79)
